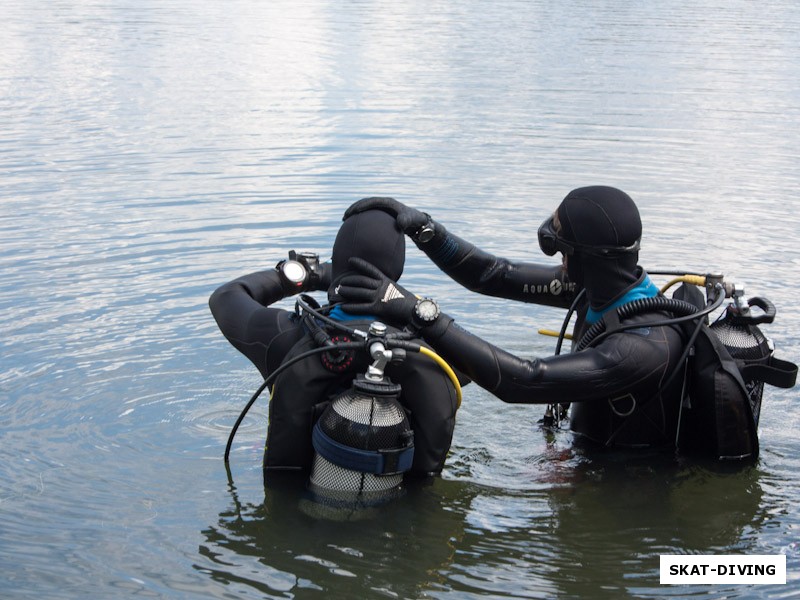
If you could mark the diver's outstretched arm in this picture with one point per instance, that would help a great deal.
(485, 273)
(473, 268)
(593, 373)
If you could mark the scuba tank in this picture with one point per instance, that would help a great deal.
(738, 331)
(363, 442)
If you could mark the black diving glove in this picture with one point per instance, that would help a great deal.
(372, 293)
(414, 223)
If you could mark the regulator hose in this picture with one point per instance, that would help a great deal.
(436, 358)
(685, 311)
(394, 340)
(562, 335)
(271, 378)
(698, 280)
(302, 304)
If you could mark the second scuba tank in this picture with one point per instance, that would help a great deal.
(746, 343)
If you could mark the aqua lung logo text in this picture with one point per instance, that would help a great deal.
(554, 288)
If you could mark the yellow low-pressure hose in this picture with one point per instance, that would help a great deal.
(446, 368)
(699, 280)
(554, 333)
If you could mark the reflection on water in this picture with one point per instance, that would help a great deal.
(569, 533)
(391, 549)
(151, 151)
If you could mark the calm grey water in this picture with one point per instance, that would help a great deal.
(150, 151)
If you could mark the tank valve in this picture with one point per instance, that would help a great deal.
(378, 352)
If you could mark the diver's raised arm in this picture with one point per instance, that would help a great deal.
(249, 293)
(485, 273)
(242, 307)
(473, 268)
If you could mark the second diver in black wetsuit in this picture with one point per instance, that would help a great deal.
(615, 386)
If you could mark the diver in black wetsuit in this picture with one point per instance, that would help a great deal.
(615, 386)
(269, 336)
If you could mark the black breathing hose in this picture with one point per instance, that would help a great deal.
(325, 345)
(685, 311)
(271, 378)
(325, 319)
(572, 307)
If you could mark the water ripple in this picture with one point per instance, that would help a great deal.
(151, 153)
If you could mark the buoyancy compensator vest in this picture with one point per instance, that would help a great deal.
(725, 366)
(309, 388)
(729, 364)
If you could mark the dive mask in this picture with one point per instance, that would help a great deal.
(550, 243)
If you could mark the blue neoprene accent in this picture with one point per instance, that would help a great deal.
(337, 314)
(646, 289)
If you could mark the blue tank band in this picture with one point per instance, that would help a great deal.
(379, 462)
(645, 289)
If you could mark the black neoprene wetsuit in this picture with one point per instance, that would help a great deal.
(613, 387)
(267, 336)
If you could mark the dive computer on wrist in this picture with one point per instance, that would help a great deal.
(293, 273)
(426, 232)
(426, 311)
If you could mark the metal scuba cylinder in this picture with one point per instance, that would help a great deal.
(363, 444)
(363, 441)
(738, 330)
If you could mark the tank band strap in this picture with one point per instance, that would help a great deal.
(391, 461)
(777, 372)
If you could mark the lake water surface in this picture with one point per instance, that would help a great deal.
(150, 151)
